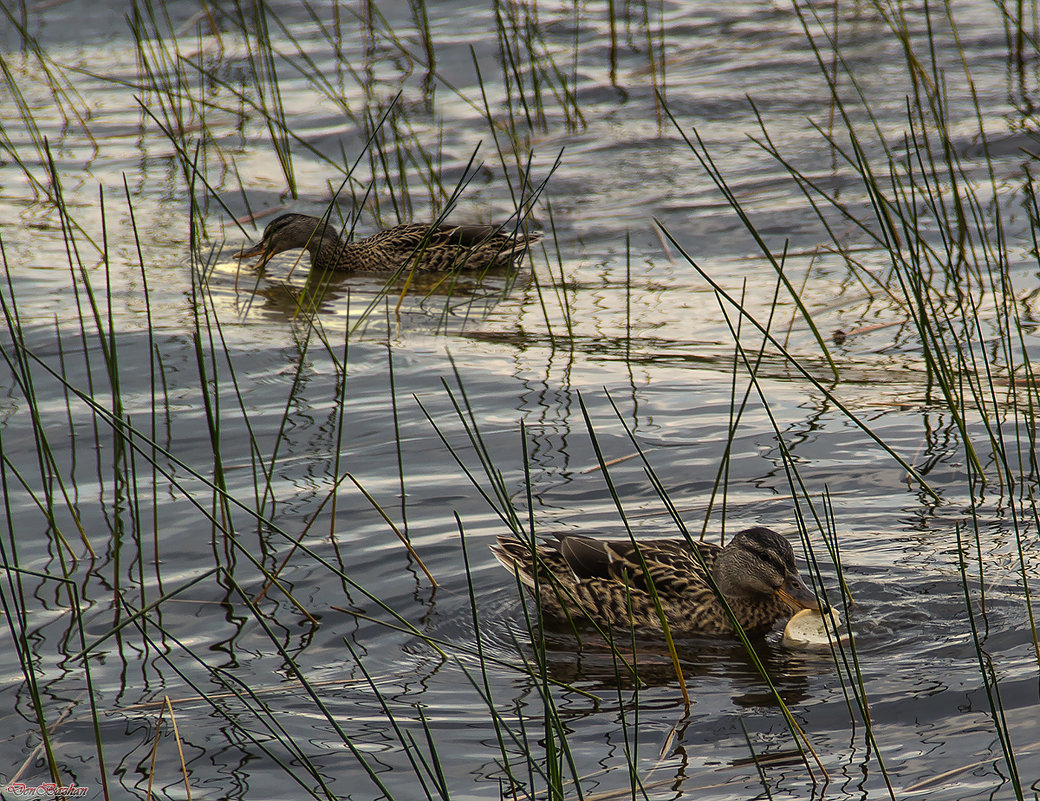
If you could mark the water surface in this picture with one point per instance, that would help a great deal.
(224, 383)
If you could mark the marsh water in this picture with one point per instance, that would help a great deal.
(172, 421)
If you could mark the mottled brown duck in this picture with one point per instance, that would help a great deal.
(422, 247)
(605, 581)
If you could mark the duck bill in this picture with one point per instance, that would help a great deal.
(796, 595)
(255, 250)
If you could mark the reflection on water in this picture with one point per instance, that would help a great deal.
(703, 661)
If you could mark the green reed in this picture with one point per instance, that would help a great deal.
(947, 274)
(143, 463)
(215, 368)
(849, 672)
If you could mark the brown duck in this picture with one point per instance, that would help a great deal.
(423, 247)
(604, 581)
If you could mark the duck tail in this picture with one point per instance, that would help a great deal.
(530, 238)
(512, 243)
(516, 557)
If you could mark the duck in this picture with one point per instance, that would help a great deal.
(424, 247)
(604, 581)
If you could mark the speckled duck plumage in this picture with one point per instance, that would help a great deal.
(605, 581)
(422, 247)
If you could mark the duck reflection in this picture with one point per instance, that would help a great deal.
(597, 664)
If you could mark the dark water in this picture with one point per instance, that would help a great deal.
(218, 361)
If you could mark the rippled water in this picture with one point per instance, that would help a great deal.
(212, 359)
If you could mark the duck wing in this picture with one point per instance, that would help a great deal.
(444, 247)
(606, 580)
(406, 239)
(668, 561)
(618, 580)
